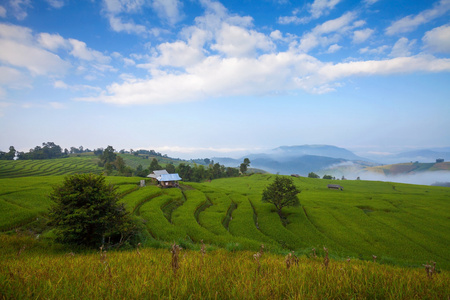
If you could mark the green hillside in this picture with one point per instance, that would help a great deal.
(399, 223)
(49, 167)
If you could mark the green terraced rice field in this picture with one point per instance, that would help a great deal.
(401, 224)
(49, 167)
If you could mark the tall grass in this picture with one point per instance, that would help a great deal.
(37, 273)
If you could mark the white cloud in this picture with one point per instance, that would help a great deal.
(222, 55)
(168, 10)
(360, 36)
(18, 50)
(402, 47)
(56, 3)
(2, 12)
(378, 50)
(411, 22)
(120, 6)
(331, 72)
(81, 51)
(322, 7)
(113, 10)
(265, 75)
(118, 25)
(438, 39)
(19, 8)
(236, 41)
(178, 54)
(330, 32)
(52, 42)
(333, 48)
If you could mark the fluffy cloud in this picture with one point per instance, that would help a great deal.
(178, 54)
(56, 3)
(321, 7)
(438, 39)
(168, 10)
(402, 47)
(409, 23)
(19, 50)
(330, 32)
(360, 36)
(267, 74)
(52, 42)
(19, 8)
(81, 51)
(236, 41)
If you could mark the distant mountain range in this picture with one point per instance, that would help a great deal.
(326, 159)
(297, 159)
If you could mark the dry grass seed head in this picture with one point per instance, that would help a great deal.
(175, 257)
(326, 260)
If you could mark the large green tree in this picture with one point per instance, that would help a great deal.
(281, 193)
(86, 212)
(244, 166)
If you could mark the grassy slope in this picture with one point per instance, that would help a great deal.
(144, 160)
(399, 223)
(49, 167)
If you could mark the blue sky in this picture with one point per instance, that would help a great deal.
(198, 78)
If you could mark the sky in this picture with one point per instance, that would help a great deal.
(198, 78)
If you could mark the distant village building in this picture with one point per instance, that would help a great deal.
(335, 187)
(295, 175)
(164, 178)
(439, 160)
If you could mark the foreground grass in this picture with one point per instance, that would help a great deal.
(36, 272)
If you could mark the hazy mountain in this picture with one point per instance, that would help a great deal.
(327, 159)
(295, 159)
(317, 150)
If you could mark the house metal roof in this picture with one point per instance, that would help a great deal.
(169, 177)
(155, 174)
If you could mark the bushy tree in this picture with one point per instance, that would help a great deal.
(86, 212)
(154, 165)
(244, 166)
(281, 193)
(313, 175)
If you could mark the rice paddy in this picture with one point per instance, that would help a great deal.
(388, 231)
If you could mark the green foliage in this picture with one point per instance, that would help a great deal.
(86, 212)
(281, 193)
(313, 175)
(47, 151)
(244, 166)
(327, 177)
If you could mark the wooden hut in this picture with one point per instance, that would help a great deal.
(335, 187)
(168, 180)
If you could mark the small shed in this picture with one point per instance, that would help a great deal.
(335, 187)
(168, 180)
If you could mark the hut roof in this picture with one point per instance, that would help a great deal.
(169, 177)
(334, 186)
(155, 174)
